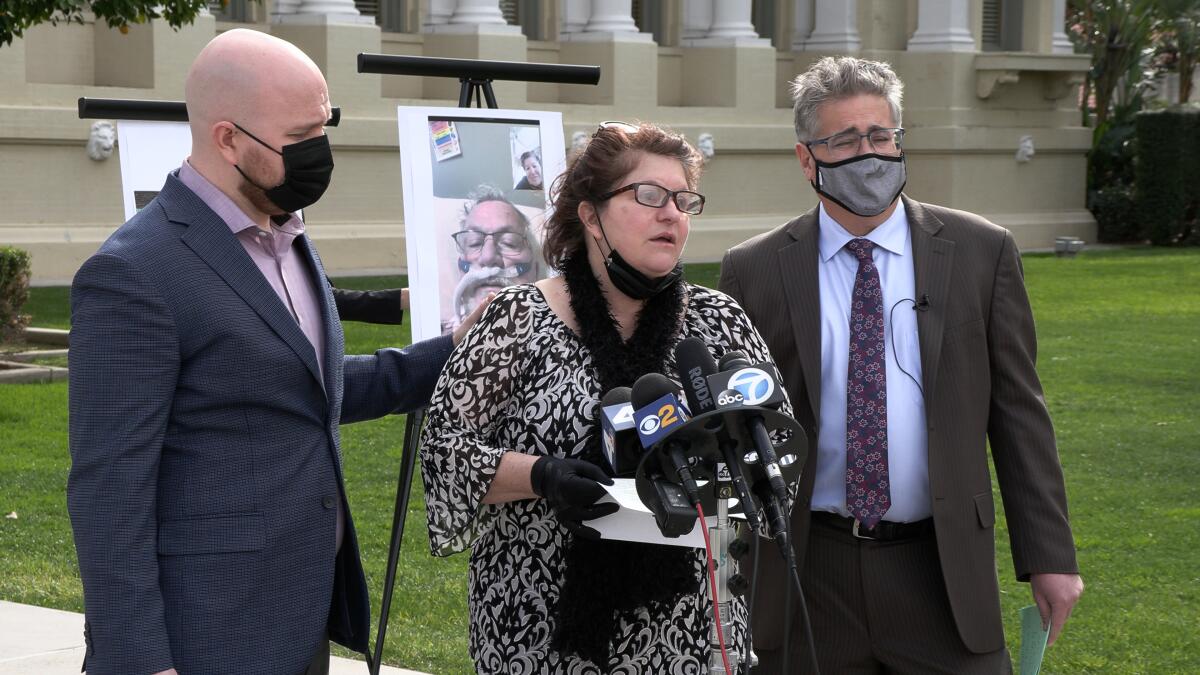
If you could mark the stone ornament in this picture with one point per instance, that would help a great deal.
(1025, 150)
(101, 140)
(704, 143)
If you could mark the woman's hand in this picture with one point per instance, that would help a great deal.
(572, 487)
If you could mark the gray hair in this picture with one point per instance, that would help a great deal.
(488, 193)
(838, 77)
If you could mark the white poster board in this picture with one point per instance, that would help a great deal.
(476, 196)
(148, 152)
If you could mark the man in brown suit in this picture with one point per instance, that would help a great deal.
(906, 344)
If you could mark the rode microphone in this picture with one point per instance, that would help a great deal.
(695, 365)
(762, 388)
(621, 448)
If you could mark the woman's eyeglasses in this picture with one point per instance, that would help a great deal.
(656, 196)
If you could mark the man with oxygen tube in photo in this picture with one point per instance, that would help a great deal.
(495, 248)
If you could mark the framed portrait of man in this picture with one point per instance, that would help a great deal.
(476, 187)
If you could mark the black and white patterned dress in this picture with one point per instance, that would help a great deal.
(522, 381)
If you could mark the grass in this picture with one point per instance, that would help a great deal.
(1119, 336)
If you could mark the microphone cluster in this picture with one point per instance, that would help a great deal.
(715, 441)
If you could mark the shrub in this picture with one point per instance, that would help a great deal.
(14, 290)
(1166, 169)
(1116, 215)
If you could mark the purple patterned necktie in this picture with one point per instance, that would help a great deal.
(867, 487)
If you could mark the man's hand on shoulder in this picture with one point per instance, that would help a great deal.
(471, 319)
(1055, 595)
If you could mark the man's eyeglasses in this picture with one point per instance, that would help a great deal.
(509, 244)
(845, 145)
(656, 196)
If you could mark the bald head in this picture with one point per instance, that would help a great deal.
(249, 95)
(245, 76)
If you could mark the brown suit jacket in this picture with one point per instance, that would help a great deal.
(978, 353)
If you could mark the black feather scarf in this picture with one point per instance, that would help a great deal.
(605, 580)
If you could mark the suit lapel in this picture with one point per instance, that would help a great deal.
(933, 259)
(798, 269)
(334, 338)
(209, 237)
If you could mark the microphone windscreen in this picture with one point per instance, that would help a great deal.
(616, 396)
(734, 359)
(651, 387)
(695, 364)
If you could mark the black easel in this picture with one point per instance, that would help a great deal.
(475, 79)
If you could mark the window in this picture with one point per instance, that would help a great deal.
(1001, 30)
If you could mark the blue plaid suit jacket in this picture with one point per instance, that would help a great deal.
(206, 465)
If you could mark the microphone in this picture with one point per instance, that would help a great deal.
(695, 365)
(922, 305)
(657, 413)
(763, 389)
(621, 449)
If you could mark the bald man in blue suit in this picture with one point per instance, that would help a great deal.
(208, 381)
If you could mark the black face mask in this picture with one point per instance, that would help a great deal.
(307, 169)
(627, 279)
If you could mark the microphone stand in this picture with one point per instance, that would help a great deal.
(721, 536)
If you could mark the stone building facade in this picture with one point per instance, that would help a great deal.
(980, 75)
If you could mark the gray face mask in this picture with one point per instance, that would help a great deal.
(865, 185)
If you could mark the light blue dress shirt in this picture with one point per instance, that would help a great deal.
(908, 461)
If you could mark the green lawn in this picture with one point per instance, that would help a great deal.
(1119, 334)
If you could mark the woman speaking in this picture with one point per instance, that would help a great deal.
(511, 450)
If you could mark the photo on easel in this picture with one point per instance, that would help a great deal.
(476, 198)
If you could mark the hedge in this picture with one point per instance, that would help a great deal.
(1167, 165)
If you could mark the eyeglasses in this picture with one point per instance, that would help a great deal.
(845, 145)
(509, 244)
(656, 196)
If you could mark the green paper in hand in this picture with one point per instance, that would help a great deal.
(1033, 641)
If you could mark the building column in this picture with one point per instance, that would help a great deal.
(474, 29)
(575, 15)
(943, 26)
(478, 12)
(697, 19)
(437, 13)
(612, 17)
(342, 11)
(280, 7)
(627, 58)
(802, 24)
(1059, 42)
(332, 33)
(835, 27)
(731, 66)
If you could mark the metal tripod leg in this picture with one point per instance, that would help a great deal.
(408, 460)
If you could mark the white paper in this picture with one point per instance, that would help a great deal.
(148, 152)
(635, 522)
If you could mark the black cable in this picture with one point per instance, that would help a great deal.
(807, 622)
(892, 324)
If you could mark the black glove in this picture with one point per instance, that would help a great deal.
(571, 487)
